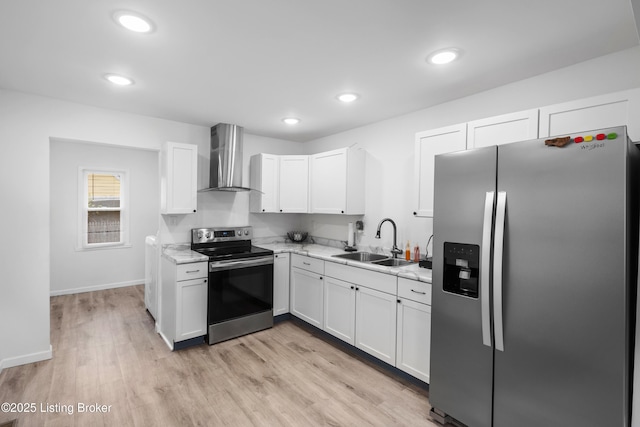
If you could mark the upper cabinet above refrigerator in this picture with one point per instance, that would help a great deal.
(613, 109)
(503, 129)
(428, 144)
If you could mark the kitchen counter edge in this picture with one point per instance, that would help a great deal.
(325, 253)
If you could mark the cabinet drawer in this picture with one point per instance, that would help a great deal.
(414, 290)
(195, 270)
(307, 263)
(363, 277)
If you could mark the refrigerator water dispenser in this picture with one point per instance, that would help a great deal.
(461, 269)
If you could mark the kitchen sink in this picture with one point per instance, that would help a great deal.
(362, 256)
(392, 262)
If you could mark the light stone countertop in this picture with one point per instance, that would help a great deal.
(182, 254)
(412, 272)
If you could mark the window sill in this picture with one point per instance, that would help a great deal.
(104, 246)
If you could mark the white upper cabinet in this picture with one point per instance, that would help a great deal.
(503, 129)
(179, 178)
(337, 182)
(264, 172)
(614, 109)
(428, 144)
(294, 184)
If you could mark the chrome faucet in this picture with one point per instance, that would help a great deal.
(394, 250)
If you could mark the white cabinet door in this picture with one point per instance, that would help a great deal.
(340, 309)
(615, 109)
(414, 339)
(280, 284)
(191, 302)
(328, 182)
(428, 144)
(294, 184)
(376, 323)
(336, 182)
(264, 171)
(179, 178)
(503, 129)
(307, 296)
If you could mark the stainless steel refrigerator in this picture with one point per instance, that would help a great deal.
(534, 282)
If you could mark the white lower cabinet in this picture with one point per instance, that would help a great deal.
(191, 299)
(413, 348)
(360, 308)
(383, 315)
(307, 291)
(280, 284)
(340, 309)
(183, 301)
(414, 339)
(376, 324)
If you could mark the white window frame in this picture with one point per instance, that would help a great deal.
(83, 209)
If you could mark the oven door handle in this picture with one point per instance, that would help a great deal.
(242, 263)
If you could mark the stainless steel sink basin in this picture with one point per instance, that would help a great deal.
(392, 262)
(362, 256)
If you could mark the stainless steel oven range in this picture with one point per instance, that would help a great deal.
(240, 297)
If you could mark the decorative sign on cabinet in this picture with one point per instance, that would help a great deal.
(179, 178)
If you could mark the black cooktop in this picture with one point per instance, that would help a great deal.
(233, 252)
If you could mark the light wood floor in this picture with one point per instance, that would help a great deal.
(106, 352)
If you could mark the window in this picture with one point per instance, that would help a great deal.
(103, 208)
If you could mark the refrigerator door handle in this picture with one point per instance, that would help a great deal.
(497, 270)
(485, 269)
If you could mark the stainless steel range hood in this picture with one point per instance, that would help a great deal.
(225, 166)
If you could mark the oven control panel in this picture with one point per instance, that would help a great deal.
(216, 234)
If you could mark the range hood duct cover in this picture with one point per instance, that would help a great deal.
(225, 167)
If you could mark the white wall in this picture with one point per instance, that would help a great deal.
(75, 270)
(28, 122)
(26, 126)
(390, 143)
(221, 208)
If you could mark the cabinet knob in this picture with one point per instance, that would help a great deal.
(415, 213)
(353, 287)
(262, 210)
(357, 288)
(194, 211)
(280, 210)
(342, 211)
(320, 277)
(399, 301)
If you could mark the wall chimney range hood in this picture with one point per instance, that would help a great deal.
(225, 165)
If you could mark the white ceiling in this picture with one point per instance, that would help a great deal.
(253, 62)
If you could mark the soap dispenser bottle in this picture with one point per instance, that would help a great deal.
(407, 252)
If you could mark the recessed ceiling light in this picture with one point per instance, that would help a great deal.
(291, 120)
(133, 21)
(347, 97)
(444, 56)
(119, 80)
